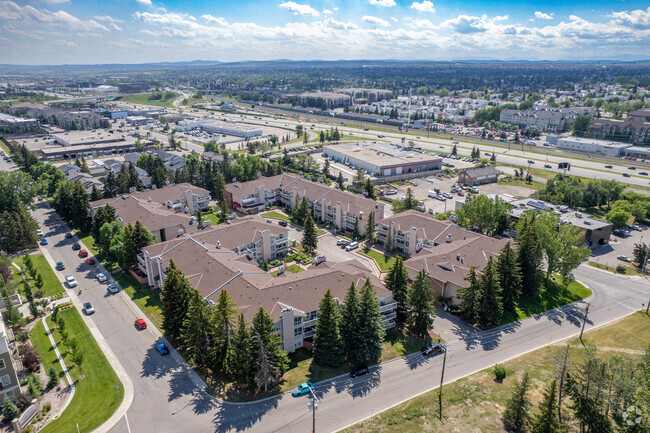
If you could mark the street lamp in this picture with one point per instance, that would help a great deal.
(313, 405)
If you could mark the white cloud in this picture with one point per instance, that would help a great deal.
(115, 27)
(107, 18)
(11, 11)
(216, 20)
(143, 2)
(299, 9)
(330, 22)
(375, 21)
(638, 19)
(543, 16)
(327, 12)
(384, 3)
(419, 23)
(50, 2)
(424, 6)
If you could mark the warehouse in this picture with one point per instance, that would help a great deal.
(229, 128)
(590, 145)
(382, 160)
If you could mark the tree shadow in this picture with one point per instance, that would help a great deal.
(362, 386)
(415, 360)
(239, 416)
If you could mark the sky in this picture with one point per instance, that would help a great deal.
(141, 31)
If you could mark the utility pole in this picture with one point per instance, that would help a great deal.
(442, 378)
(313, 405)
(584, 321)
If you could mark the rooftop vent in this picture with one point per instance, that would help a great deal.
(448, 239)
(458, 257)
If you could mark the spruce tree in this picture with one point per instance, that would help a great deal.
(53, 377)
(340, 182)
(470, 297)
(371, 332)
(9, 410)
(199, 332)
(546, 420)
(397, 281)
(175, 297)
(219, 187)
(225, 313)
(302, 210)
(239, 361)
(369, 188)
(355, 228)
(388, 242)
(509, 277)
(262, 327)
(421, 309)
(328, 344)
(370, 228)
(267, 372)
(516, 414)
(491, 304)
(309, 237)
(350, 321)
(529, 256)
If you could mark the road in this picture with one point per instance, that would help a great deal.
(168, 397)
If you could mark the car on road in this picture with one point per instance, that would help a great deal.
(609, 166)
(342, 242)
(530, 161)
(70, 281)
(90, 260)
(161, 348)
(101, 278)
(303, 388)
(83, 253)
(283, 223)
(359, 371)
(626, 174)
(643, 173)
(636, 227)
(43, 241)
(112, 288)
(548, 166)
(631, 168)
(140, 324)
(76, 246)
(68, 235)
(624, 258)
(59, 266)
(88, 308)
(433, 348)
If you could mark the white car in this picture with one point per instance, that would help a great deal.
(71, 281)
(39, 232)
(101, 278)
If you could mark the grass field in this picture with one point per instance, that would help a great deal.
(476, 403)
(143, 98)
(276, 215)
(147, 299)
(216, 220)
(632, 332)
(51, 284)
(551, 296)
(629, 270)
(99, 392)
(383, 261)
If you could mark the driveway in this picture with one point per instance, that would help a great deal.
(606, 254)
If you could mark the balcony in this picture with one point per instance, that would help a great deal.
(388, 307)
(310, 323)
(389, 325)
(389, 316)
(309, 334)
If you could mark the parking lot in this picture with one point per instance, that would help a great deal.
(607, 254)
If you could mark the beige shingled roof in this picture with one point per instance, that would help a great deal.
(428, 228)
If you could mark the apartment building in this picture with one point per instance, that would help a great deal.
(9, 385)
(167, 212)
(329, 205)
(12, 124)
(635, 128)
(544, 120)
(291, 299)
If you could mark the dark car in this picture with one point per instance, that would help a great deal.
(609, 166)
(60, 266)
(76, 246)
(432, 348)
(68, 235)
(359, 371)
(283, 223)
(161, 348)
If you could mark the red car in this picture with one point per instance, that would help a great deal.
(140, 324)
(83, 253)
(90, 261)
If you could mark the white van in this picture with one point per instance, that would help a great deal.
(352, 246)
(432, 193)
(320, 259)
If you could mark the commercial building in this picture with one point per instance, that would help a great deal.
(9, 385)
(637, 152)
(329, 205)
(384, 160)
(228, 128)
(12, 124)
(592, 145)
(167, 212)
(478, 176)
(635, 128)
(596, 232)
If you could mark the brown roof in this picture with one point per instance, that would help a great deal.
(428, 227)
(241, 189)
(158, 195)
(153, 216)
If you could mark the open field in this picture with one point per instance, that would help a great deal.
(632, 332)
(143, 99)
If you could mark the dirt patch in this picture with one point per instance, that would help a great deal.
(504, 188)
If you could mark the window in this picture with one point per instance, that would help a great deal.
(297, 332)
(5, 380)
(297, 320)
(2, 364)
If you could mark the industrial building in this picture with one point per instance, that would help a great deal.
(89, 144)
(383, 160)
(478, 176)
(228, 128)
(592, 145)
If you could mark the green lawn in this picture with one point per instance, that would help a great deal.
(51, 284)
(99, 391)
(551, 296)
(216, 220)
(88, 241)
(383, 261)
(276, 215)
(147, 299)
(629, 269)
(632, 332)
(143, 98)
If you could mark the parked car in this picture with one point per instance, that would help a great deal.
(342, 242)
(461, 193)
(161, 348)
(70, 281)
(43, 241)
(447, 195)
(68, 235)
(433, 348)
(60, 266)
(90, 260)
(140, 324)
(88, 308)
(76, 246)
(112, 288)
(636, 227)
(39, 232)
(303, 388)
(624, 258)
(101, 278)
(359, 371)
(530, 161)
(83, 253)
(283, 223)
(621, 233)
(352, 246)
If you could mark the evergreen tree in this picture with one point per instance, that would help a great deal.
(516, 413)
(267, 372)
(371, 333)
(103, 215)
(409, 200)
(369, 188)
(470, 296)
(491, 303)
(79, 211)
(301, 211)
(509, 277)
(9, 410)
(546, 420)
(95, 194)
(110, 185)
(340, 182)
(53, 377)
(219, 187)
(262, 327)
(239, 361)
(350, 321)
(397, 281)
(225, 313)
(136, 237)
(199, 332)
(370, 228)
(454, 151)
(175, 297)
(309, 237)
(421, 310)
(529, 256)
(326, 166)
(355, 229)
(328, 344)
(388, 242)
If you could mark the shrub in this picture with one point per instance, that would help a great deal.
(22, 336)
(620, 269)
(30, 358)
(9, 409)
(39, 293)
(53, 377)
(499, 372)
(47, 407)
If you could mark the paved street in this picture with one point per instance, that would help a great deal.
(167, 398)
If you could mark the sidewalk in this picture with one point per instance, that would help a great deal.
(63, 367)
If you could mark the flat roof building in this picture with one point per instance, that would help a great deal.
(592, 145)
(384, 160)
(230, 128)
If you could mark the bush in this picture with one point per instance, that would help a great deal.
(30, 358)
(499, 373)
(53, 377)
(9, 409)
(22, 336)
(47, 407)
(620, 269)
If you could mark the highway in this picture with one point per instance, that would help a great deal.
(168, 395)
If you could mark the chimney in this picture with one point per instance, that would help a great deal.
(448, 239)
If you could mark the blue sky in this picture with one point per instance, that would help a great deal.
(138, 31)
